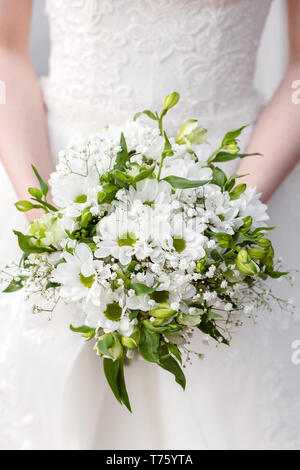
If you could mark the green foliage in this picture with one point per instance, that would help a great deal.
(178, 182)
(142, 289)
(87, 332)
(27, 246)
(15, 285)
(114, 373)
(223, 156)
(148, 113)
(43, 185)
(122, 157)
(219, 178)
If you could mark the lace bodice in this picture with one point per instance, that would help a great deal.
(111, 58)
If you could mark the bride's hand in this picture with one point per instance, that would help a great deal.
(23, 137)
(277, 133)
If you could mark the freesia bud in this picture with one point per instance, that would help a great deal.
(257, 253)
(264, 242)
(170, 101)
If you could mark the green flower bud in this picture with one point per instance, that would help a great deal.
(131, 342)
(232, 148)
(224, 239)
(264, 242)
(170, 101)
(245, 264)
(247, 222)
(162, 311)
(257, 253)
(200, 267)
(158, 321)
(24, 206)
(191, 132)
(35, 192)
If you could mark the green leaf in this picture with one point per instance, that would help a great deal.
(114, 373)
(52, 285)
(144, 173)
(173, 349)
(231, 136)
(275, 274)
(215, 255)
(224, 239)
(238, 190)
(148, 113)
(131, 266)
(210, 315)
(168, 150)
(262, 229)
(108, 194)
(111, 371)
(222, 156)
(26, 244)
(178, 182)
(14, 286)
(240, 238)
(160, 296)
(86, 218)
(219, 177)
(122, 386)
(43, 185)
(231, 182)
(122, 157)
(209, 328)
(133, 314)
(168, 363)
(86, 331)
(142, 289)
(149, 345)
(104, 344)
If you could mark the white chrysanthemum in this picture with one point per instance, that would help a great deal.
(249, 204)
(78, 274)
(187, 242)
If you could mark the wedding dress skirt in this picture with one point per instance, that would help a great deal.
(109, 60)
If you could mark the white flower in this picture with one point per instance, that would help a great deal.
(249, 204)
(78, 274)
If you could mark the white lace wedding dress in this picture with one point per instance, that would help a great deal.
(111, 58)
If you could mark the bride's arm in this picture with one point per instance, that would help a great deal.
(277, 133)
(23, 136)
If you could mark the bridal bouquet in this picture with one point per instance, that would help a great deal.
(149, 240)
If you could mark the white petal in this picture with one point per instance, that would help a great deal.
(84, 252)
